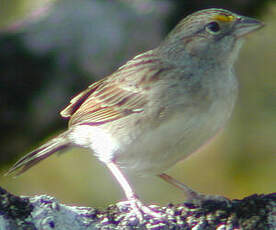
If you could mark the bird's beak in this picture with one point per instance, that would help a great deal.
(246, 25)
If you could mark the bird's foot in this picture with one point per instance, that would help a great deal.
(134, 210)
(192, 195)
(200, 198)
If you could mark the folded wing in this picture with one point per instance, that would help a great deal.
(121, 94)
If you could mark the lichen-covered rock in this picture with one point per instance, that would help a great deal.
(212, 212)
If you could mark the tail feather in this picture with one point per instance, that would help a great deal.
(37, 155)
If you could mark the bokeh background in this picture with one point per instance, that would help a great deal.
(51, 50)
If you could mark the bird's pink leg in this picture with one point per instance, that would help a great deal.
(132, 198)
(190, 193)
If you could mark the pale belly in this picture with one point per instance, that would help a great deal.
(159, 149)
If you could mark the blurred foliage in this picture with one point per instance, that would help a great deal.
(50, 56)
(18, 9)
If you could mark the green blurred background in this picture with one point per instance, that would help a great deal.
(241, 161)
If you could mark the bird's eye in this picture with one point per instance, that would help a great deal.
(213, 27)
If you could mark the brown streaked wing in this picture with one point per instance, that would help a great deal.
(109, 102)
(118, 95)
(76, 102)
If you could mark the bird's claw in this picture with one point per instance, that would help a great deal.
(134, 209)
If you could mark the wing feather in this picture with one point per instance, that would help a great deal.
(117, 95)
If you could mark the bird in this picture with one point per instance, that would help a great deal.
(159, 107)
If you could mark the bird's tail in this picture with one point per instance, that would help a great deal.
(56, 144)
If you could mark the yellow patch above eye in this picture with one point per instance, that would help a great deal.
(224, 18)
